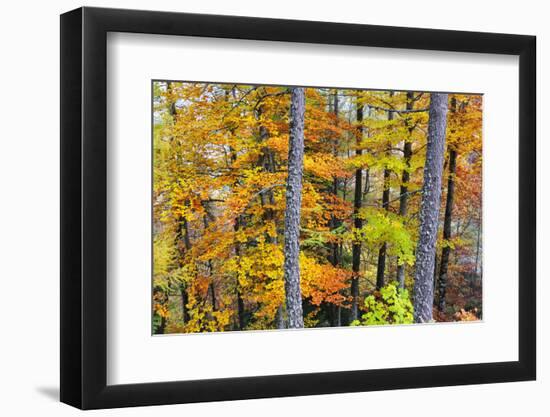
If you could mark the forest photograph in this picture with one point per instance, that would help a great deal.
(284, 207)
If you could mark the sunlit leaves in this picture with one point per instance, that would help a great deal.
(219, 182)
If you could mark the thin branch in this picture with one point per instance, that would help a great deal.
(394, 110)
(238, 103)
(282, 93)
(264, 190)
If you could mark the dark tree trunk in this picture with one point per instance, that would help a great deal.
(162, 327)
(381, 267)
(184, 302)
(240, 311)
(382, 252)
(171, 104)
(335, 246)
(357, 222)
(183, 234)
(429, 211)
(211, 288)
(367, 183)
(240, 303)
(212, 291)
(405, 178)
(444, 265)
(292, 211)
(267, 161)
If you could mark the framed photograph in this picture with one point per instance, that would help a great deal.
(256, 208)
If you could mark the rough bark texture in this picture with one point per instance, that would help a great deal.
(404, 190)
(429, 211)
(357, 223)
(444, 265)
(292, 212)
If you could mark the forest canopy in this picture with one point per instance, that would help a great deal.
(287, 207)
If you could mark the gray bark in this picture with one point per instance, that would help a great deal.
(429, 211)
(292, 211)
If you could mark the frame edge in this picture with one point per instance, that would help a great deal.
(70, 215)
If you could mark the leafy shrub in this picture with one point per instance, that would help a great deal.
(390, 305)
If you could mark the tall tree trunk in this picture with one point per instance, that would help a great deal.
(184, 230)
(211, 288)
(444, 263)
(241, 322)
(357, 221)
(381, 267)
(267, 160)
(184, 302)
(336, 316)
(292, 211)
(240, 302)
(478, 269)
(429, 211)
(335, 185)
(405, 178)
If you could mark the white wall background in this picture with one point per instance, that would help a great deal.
(29, 225)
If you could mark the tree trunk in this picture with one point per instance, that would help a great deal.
(335, 247)
(478, 267)
(444, 263)
(184, 302)
(211, 288)
(267, 160)
(382, 252)
(240, 311)
(429, 211)
(292, 211)
(335, 257)
(404, 190)
(357, 222)
(183, 231)
(381, 267)
(240, 302)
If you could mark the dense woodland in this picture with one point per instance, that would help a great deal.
(278, 207)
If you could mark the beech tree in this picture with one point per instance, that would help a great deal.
(429, 212)
(292, 211)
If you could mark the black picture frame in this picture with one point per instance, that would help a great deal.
(84, 207)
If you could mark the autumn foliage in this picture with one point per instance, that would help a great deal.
(220, 154)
